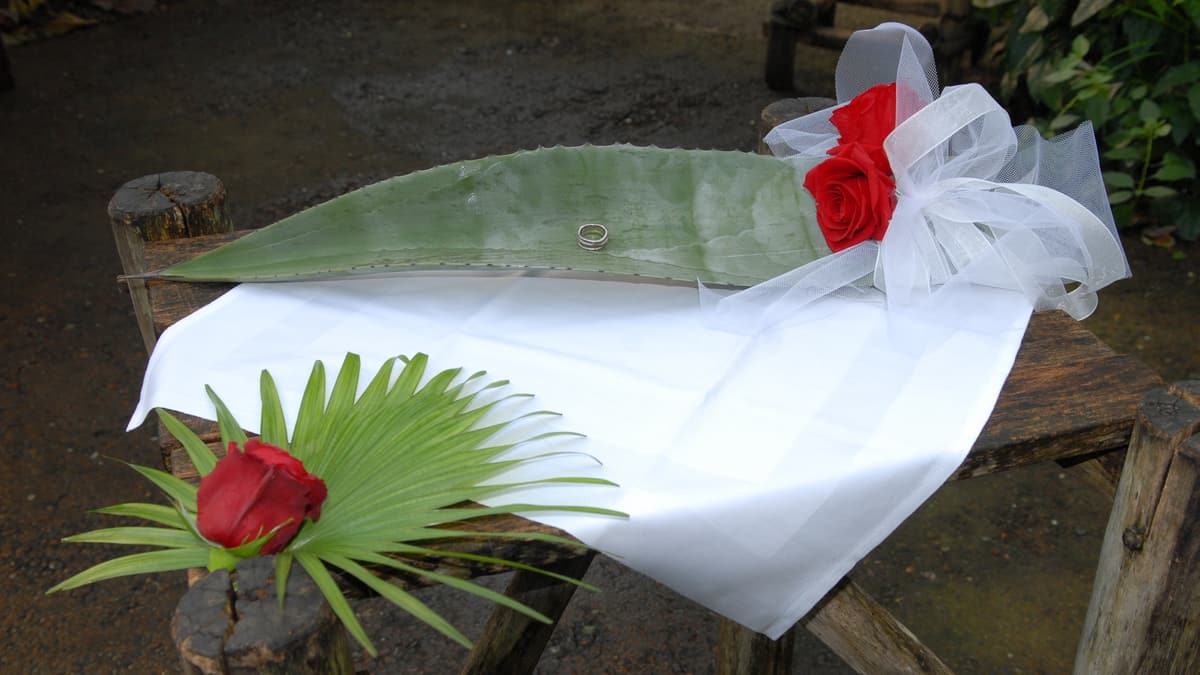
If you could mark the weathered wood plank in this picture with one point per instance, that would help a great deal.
(851, 16)
(1068, 395)
(741, 651)
(1101, 471)
(1144, 615)
(867, 636)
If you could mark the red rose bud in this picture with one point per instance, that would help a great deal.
(869, 117)
(252, 491)
(855, 199)
(867, 120)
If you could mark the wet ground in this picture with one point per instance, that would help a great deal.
(293, 102)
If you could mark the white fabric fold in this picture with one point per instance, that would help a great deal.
(757, 470)
(978, 202)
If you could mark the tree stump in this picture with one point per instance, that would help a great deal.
(786, 110)
(1144, 615)
(222, 631)
(170, 205)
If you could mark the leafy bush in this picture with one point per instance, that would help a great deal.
(1132, 67)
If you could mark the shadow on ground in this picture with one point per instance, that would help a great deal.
(294, 102)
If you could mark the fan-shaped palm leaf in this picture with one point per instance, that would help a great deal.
(395, 459)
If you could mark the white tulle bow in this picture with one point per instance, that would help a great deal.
(978, 202)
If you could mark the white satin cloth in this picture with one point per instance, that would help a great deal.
(756, 469)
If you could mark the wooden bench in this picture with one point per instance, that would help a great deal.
(1069, 399)
(948, 25)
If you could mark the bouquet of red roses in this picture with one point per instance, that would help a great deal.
(854, 189)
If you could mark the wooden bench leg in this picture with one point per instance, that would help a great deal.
(859, 630)
(867, 636)
(512, 643)
(788, 21)
(1144, 615)
(741, 651)
(1102, 471)
(780, 71)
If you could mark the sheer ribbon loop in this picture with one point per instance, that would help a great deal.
(977, 201)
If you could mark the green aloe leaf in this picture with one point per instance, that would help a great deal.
(721, 217)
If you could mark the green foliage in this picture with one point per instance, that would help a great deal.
(1131, 67)
(732, 218)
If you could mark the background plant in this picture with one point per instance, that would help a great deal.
(1131, 67)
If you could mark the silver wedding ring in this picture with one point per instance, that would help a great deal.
(592, 236)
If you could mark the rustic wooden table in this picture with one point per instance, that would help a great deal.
(1069, 399)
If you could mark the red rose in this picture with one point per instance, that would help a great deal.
(868, 119)
(251, 491)
(854, 197)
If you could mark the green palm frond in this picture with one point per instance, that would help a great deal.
(399, 461)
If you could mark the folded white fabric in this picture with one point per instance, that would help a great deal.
(756, 469)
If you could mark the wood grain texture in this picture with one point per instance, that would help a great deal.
(1067, 395)
(202, 619)
(741, 651)
(867, 637)
(163, 206)
(1144, 615)
(232, 625)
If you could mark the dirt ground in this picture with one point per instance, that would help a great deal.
(292, 102)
